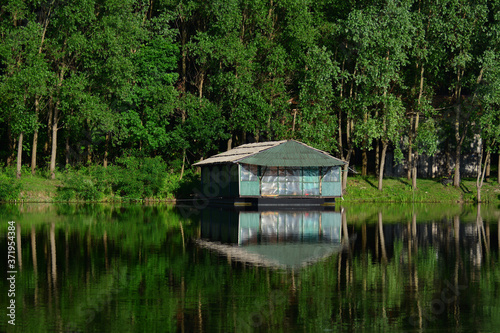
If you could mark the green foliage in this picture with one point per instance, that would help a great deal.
(9, 188)
(177, 79)
(141, 177)
(132, 178)
(427, 139)
(187, 186)
(79, 186)
(316, 122)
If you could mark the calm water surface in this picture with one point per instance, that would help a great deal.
(132, 268)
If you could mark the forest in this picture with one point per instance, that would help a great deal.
(115, 83)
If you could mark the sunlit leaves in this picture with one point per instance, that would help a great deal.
(27, 74)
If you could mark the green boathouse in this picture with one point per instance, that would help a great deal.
(272, 173)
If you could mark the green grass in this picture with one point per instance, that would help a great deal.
(38, 188)
(365, 189)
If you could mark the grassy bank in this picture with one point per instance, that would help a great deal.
(365, 189)
(131, 179)
(149, 181)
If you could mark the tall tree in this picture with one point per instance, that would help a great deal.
(383, 38)
(27, 76)
(488, 123)
(317, 124)
(460, 23)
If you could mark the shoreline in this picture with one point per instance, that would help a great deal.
(359, 190)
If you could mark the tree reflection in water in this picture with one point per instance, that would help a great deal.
(126, 267)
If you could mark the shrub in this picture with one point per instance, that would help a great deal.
(171, 185)
(187, 185)
(104, 178)
(79, 187)
(9, 188)
(141, 177)
(131, 178)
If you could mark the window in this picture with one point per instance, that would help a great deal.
(249, 173)
(290, 181)
(311, 181)
(270, 181)
(331, 174)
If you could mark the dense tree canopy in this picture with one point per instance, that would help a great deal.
(92, 81)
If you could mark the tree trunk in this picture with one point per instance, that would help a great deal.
(200, 84)
(37, 100)
(35, 138)
(456, 177)
(488, 171)
(183, 120)
(106, 149)
(382, 165)
(341, 149)
(19, 155)
(377, 156)
(67, 152)
(48, 143)
(478, 181)
(447, 154)
(458, 148)
(183, 163)
(481, 173)
(33, 152)
(415, 157)
(498, 173)
(414, 173)
(417, 118)
(346, 170)
(349, 153)
(55, 124)
(410, 152)
(364, 166)
(410, 148)
(89, 153)
(54, 145)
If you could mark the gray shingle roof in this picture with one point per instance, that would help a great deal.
(287, 153)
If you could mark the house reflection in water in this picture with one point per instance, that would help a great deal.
(278, 239)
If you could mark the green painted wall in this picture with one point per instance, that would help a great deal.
(250, 188)
(331, 189)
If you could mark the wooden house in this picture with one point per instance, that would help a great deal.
(272, 173)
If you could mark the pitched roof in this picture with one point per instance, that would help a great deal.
(286, 153)
(237, 153)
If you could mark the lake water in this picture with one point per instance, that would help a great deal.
(133, 268)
